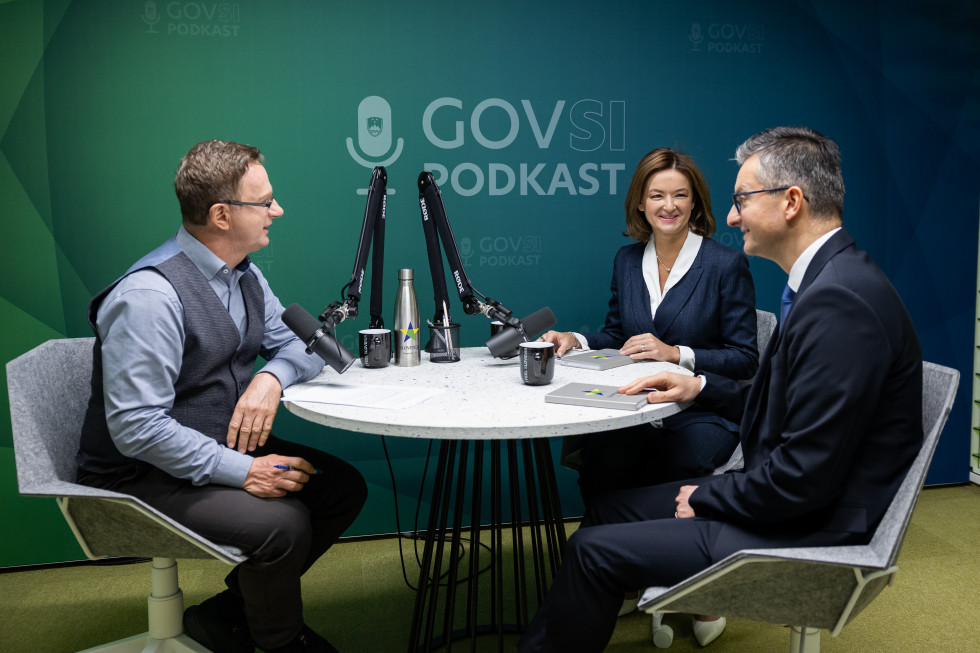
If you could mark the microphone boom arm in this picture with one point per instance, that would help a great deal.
(372, 228)
(435, 225)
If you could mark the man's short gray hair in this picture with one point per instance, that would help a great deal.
(799, 156)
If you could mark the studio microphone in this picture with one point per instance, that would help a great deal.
(317, 338)
(517, 331)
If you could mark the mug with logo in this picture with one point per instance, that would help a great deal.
(537, 362)
(375, 347)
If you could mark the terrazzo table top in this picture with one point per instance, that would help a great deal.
(482, 398)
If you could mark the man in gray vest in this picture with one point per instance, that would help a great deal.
(178, 420)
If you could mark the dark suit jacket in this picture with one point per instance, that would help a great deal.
(711, 310)
(834, 418)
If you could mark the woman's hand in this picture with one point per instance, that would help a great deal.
(646, 346)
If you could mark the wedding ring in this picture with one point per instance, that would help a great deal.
(643, 347)
(675, 516)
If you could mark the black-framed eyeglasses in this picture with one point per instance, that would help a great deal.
(267, 205)
(738, 203)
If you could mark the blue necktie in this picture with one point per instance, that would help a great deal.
(786, 302)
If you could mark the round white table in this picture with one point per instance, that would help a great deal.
(482, 399)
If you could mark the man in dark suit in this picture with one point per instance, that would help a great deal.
(829, 427)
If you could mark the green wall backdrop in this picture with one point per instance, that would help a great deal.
(531, 115)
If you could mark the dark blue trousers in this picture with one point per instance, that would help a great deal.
(641, 456)
(629, 540)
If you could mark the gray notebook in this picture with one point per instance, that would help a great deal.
(600, 396)
(600, 359)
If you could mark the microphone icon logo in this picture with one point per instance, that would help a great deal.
(696, 37)
(150, 16)
(374, 136)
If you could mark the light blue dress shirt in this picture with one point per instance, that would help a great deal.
(141, 325)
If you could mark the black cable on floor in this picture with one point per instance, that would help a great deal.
(415, 533)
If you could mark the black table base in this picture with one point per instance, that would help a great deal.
(500, 594)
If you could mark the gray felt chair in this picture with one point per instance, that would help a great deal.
(765, 325)
(817, 587)
(49, 389)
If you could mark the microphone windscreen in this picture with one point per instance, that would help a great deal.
(327, 347)
(539, 321)
(300, 322)
(503, 342)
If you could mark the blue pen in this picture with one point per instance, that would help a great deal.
(315, 471)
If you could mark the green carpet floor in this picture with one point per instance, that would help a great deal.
(357, 598)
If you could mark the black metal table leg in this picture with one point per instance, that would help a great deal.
(472, 582)
(534, 505)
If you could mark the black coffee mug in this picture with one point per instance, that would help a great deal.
(375, 347)
(537, 362)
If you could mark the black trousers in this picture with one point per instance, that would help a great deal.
(282, 537)
(643, 455)
(603, 561)
(630, 540)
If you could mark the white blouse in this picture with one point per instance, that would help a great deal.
(651, 275)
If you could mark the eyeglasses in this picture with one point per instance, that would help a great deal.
(267, 205)
(738, 203)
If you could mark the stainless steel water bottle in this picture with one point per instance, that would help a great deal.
(406, 326)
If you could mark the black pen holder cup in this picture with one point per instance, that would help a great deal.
(443, 343)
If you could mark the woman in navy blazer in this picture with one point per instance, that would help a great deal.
(677, 296)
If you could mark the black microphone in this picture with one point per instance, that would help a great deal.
(317, 338)
(517, 331)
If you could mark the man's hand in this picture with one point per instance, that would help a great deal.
(669, 386)
(647, 346)
(274, 476)
(563, 341)
(684, 509)
(251, 422)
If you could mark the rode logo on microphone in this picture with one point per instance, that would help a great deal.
(459, 282)
(425, 209)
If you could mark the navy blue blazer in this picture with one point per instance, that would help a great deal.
(711, 310)
(833, 419)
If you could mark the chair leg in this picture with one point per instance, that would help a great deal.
(165, 606)
(165, 614)
(804, 640)
(146, 644)
(663, 636)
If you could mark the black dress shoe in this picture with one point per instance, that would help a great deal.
(215, 629)
(306, 642)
